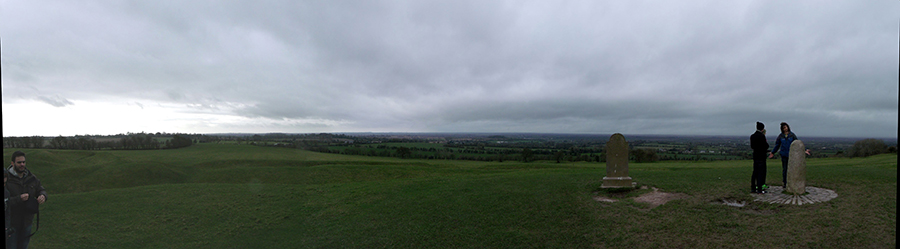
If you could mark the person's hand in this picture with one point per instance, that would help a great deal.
(771, 155)
(24, 196)
(807, 152)
(41, 199)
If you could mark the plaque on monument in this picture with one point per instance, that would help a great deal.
(796, 172)
(617, 163)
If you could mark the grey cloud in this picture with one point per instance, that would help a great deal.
(55, 101)
(694, 67)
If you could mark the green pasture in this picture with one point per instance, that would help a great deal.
(694, 157)
(243, 196)
(424, 150)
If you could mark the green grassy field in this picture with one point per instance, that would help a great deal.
(241, 196)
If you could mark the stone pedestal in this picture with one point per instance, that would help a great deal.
(617, 163)
(796, 171)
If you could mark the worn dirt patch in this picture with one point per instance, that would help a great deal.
(604, 199)
(743, 206)
(731, 202)
(653, 199)
(657, 197)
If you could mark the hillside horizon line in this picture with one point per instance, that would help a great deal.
(467, 134)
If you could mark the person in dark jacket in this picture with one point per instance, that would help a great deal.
(24, 187)
(8, 229)
(783, 147)
(760, 147)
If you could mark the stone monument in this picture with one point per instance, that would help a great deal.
(796, 172)
(617, 163)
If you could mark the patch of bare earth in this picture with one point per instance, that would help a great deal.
(604, 199)
(654, 199)
(657, 197)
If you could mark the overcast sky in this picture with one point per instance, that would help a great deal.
(829, 68)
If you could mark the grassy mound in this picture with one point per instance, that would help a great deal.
(233, 196)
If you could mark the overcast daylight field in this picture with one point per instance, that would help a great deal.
(632, 67)
(829, 68)
(243, 196)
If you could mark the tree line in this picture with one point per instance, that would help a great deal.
(538, 150)
(462, 153)
(130, 141)
(479, 149)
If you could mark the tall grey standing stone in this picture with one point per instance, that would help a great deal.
(616, 163)
(796, 173)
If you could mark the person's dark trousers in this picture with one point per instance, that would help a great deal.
(20, 239)
(759, 175)
(11, 241)
(784, 163)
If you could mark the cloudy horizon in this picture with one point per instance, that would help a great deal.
(830, 69)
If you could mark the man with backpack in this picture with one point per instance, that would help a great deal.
(29, 194)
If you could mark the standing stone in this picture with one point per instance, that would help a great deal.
(796, 173)
(617, 163)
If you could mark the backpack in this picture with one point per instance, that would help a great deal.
(32, 207)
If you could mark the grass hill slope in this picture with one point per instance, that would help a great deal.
(239, 196)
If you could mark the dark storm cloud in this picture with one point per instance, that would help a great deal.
(695, 67)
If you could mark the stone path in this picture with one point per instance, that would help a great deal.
(815, 195)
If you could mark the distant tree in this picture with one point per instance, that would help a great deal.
(404, 152)
(150, 143)
(125, 142)
(81, 143)
(179, 141)
(10, 142)
(635, 154)
(59, 142)
(35, 142)
(867, 147)
(527, 154)
(644, 155)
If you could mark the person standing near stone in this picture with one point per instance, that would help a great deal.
(783, 147)
(760, 147)
(22, 184)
